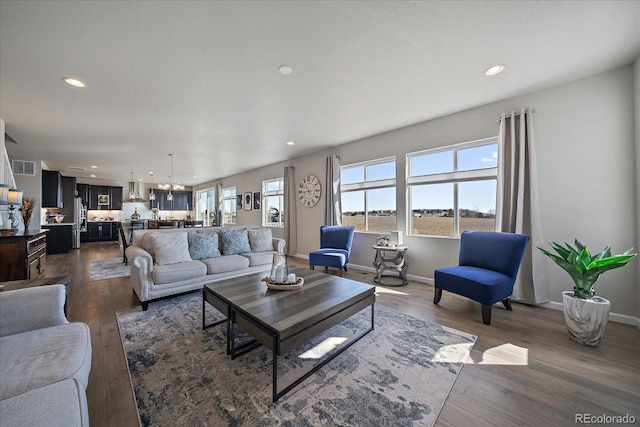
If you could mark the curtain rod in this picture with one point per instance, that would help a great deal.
(506, 116)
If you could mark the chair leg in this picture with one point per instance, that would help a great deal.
(340, 272)
(507, 304)
(313, 267)
(437, 295)
(326, 269)
(486, 314)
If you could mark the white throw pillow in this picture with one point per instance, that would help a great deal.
(261, 239)
(170, 248)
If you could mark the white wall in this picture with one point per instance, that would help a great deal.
(636, 83)
(585, 136)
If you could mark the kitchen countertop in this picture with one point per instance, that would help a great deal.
(58, 223)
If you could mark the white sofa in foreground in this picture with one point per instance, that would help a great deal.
(165, 262)
(44, 360)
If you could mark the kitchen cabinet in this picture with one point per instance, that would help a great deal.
(23, 255)
(59, 238)
(83, 193)
(114, 193)
(102, 231)
(51, 189)
(182, 200)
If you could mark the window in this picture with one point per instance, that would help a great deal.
(229, 205)
(368, 195)
(273, 202)
(452, 190)
(207, 207)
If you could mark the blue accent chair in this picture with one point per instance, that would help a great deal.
(335, 247)
(487, 270)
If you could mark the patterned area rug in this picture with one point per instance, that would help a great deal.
(107, 269)
(397, 375)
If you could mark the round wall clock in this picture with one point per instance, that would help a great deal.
(309, 190)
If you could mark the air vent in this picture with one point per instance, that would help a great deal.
(76, 168)
(24, 167)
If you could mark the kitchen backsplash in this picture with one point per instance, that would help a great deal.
(129, 208)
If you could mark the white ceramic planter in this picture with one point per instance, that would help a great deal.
(586, 319)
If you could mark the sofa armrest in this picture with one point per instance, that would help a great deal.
(279, 244)
(32, 308)
(140, 268)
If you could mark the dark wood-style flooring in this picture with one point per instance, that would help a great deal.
(523, 370)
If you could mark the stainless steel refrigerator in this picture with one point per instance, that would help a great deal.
(79, 220)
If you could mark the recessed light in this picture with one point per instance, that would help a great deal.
(291, 143)
(92, 176)
(195, 177)
(495, 69)
(94, 167)
(73, 82)
(285, 69)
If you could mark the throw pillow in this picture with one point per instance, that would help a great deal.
(170, 248)
(235, 241)
(260, 239)
(203, 246)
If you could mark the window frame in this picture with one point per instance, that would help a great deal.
(455, 177)
(371, 185)
(272, 193)
(232, 198)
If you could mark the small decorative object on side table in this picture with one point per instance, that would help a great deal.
(396, 262)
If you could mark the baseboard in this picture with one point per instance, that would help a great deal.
(613, 317)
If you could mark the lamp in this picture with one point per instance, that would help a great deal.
(152, 195)
(4, 193)
(170, 196)
(14, 198)
(132, 193)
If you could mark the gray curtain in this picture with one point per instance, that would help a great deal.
(519, 210)
(333, 204)
(290, 223)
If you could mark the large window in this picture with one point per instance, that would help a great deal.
(229, 206)
(273, 202)
(453, 189)
(368, 194)
(207, 207)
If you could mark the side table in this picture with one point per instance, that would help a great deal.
(393, 259)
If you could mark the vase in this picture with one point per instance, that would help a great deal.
(279, 268)
(586, 319)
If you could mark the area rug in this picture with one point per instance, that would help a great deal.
(107, 269)
(400, 374)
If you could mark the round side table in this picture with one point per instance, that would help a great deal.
(393, 259)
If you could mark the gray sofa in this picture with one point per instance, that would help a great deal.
(44, 360)
(165, 262)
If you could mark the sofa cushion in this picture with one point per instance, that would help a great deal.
(234, 241)
(202, 246)
(260, 239)
(226, 263)
(259, 258)
(147, 244)
(177, 272)
(170, 248)
(44, 356)
(60, 404)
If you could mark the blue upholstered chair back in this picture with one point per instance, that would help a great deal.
(501, 252)
(336, 237)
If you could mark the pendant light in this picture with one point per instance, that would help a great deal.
(170, 196)
(132, 192)
(152, 195)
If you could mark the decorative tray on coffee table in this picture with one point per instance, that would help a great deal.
(284, 286)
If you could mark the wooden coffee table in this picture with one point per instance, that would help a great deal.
(284, 320)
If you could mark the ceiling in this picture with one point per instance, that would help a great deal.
(200, 80)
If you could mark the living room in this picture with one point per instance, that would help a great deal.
(587, 147)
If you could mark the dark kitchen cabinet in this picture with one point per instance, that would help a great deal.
(83, 193)
(102, 231)
(116, 199)
(181, 200)
(92, 204)
(51, 189)
(59, 238)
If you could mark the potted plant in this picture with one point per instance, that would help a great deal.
(585, 313)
